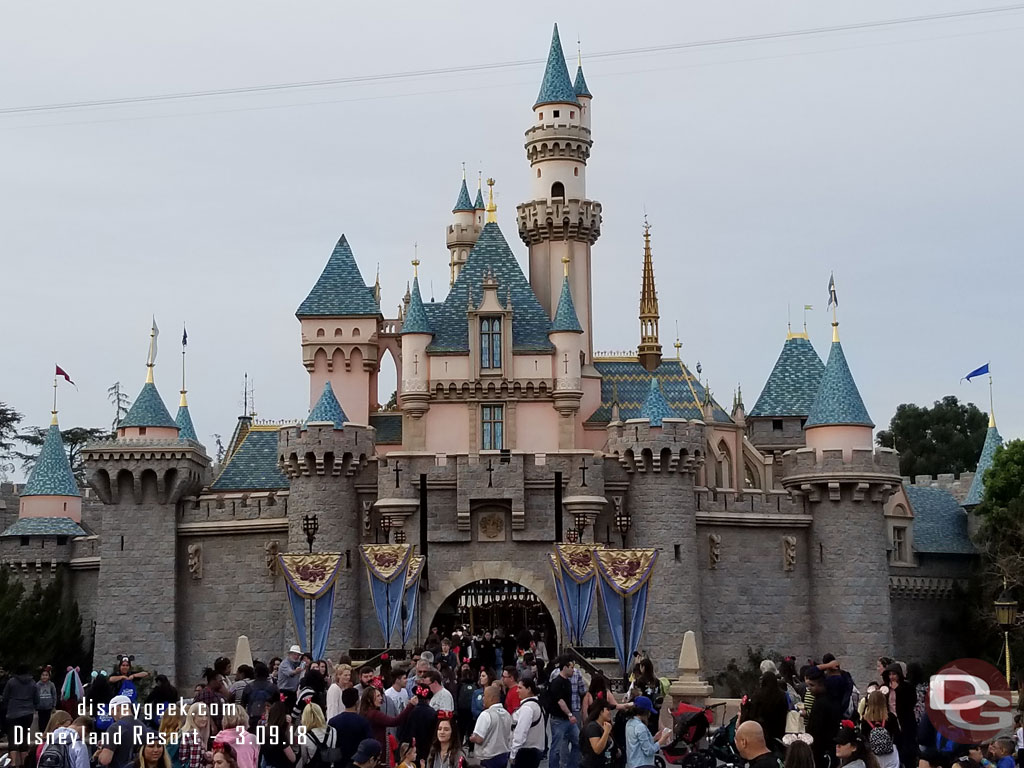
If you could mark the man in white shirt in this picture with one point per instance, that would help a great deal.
(440, 697)
(528, 735)
(493, 731)
(74, 737)
(396, 697)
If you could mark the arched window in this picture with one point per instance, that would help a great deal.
(337, 331)
(319, 332)
(558, 189)
(355, 331)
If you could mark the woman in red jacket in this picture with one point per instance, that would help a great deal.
(369, 707)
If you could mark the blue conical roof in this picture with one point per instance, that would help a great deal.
(580, 86)
(327, 409)
(988, 451)
(463, 203)
(148, 410)
(416, 318)
(340, 290)
(186, 430)
(565, 314)
(52, 475)
(656, 407)
(793, 383)
(478, 205)
(838, 401)
(556, 88)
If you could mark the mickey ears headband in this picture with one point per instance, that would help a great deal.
(789, 738)
(121, 659)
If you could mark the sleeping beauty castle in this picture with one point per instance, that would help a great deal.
(781, 527)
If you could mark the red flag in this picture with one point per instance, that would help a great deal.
(61, 372)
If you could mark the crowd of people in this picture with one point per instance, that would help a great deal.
(466, 697)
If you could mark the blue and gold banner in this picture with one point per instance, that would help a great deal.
(578, 579)
(311, 577)
(556, 576)
(625, 574)
(386, 568)
(411, 598)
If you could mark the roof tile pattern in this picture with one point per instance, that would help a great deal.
(327, 409)
(940, 524)
(253, 466)
(416, 318)
(340, 291)
(463, 203)
(656, 407)
(556, 87)
(478, 204)
(52, 475)
(148, 410)
(838, 400)
(565, 315)
(683, 392)
(389, 427)
(580, 86)
(186, 430)
(492, 255)
(988, 451)
(793, 382)
(45, 526)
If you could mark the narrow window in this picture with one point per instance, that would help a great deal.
(572, 114)
(142, 431)
(492, 421)
(540, 115)
(490, 342)
(538, 173)
(558, 189)
(23, 541)
(899, 544)
(555, 113)
(776, 425)
(62, 540)
(576, 171)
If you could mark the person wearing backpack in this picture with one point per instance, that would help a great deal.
(493, 731)
(258, 694)
(320, 749)
(528, 735)
(67, 748)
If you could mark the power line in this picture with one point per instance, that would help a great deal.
(391, 76)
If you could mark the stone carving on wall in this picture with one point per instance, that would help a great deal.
(367, 524)
(195, 560)
(492, 527)
(272, 549)
(714, 550)
(788, 553)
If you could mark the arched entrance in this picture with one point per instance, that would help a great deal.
(494, 590)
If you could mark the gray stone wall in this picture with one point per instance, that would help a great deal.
(84, 589)
(924, 617)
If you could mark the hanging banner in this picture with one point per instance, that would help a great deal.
(311, 577)
(386, 568)
(625, 573)
(579, 582)
(556, 575)
(411, 598)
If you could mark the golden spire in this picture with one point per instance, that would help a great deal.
(415, 267)
(649, 350)
(151, 359)
(53, 416)
(492, 209)
(183, 403)
(565, 266)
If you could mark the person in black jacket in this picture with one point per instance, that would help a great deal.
(421, 725)
(768, 706)
(823, 720)
(905, 698)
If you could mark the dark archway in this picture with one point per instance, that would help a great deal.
(492, 603)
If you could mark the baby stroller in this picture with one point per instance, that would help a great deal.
(691, 725)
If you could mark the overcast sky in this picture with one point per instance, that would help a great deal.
(889, 155)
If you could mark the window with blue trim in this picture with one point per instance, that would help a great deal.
(493, 422)
(490, 342)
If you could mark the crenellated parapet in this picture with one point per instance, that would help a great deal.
(320, 449)
(559, 219)
(872, 474)
(137, 470)
(640, 447)
(558, 141)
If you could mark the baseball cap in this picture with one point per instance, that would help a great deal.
(644, 703)
(368, 748)
(846, 735)
(295, 649)
(118, 701)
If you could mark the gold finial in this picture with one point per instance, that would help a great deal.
(53, 417)
(565, 266)
(463, 170)
(415, 267)
(492, 209)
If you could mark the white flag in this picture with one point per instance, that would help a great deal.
(152, 342)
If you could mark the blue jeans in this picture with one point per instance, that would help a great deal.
(565, 744)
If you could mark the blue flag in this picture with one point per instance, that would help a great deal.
(976, 372)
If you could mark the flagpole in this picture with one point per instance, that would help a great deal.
(183, 402)
(991, 403)
(54, 419)
(149, 362)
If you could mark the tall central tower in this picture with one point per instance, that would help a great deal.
(560, 222)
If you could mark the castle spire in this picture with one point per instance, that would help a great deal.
(492, 209)
(186, 429)
(478, 204)
(649, 350)
(463, 203)
(579, 86)
(556, 87)
(565, 318)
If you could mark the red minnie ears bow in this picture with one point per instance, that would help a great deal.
(445, 714)
(846, 723)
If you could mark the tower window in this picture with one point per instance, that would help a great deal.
(538, 173)
(558, 189)
(492, 423)
(62, 540)
(555, 113)
(776, 425)
(142, 431)
(576, 171)
(23, 541)
(572, 114)
(899, 544)
(490, 342)
(337, 332)
(319, 332)
(540, 115)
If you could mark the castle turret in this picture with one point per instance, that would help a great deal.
(323, 459)
(988, 451)
(649, 350)
(467, 221)
(186, 430)
(339, 320)
(143, 477)
(566, 334)
(583, 95)
(560, 221)
(414, 395)
(51, 490)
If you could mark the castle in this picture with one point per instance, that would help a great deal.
(782, 527)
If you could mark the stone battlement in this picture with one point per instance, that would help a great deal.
(759, 506)
(805, 462)
(958, 485)
(559, 219)
(319, 449)
(676, 446)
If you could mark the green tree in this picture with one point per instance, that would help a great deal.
(392, 403)
(73, 438)
(121, 402)
(41, 625)
(9, 420)
(947, 437)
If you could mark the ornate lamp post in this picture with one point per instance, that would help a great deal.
(580, 521)
(385, 525)
(1006, 617)
(400, 537)
(623, 522)
(310, 526)
(572, 536)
